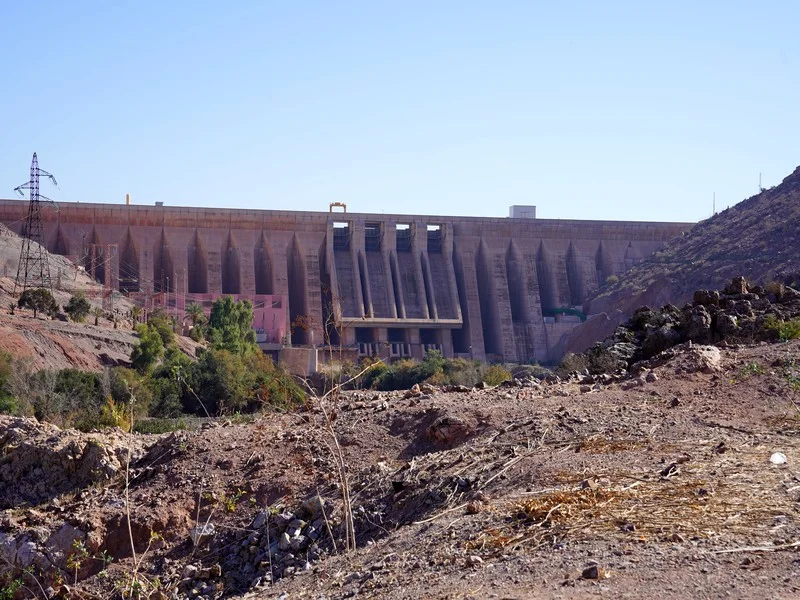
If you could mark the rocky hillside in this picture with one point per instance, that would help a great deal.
(758, 238)
(45, 343)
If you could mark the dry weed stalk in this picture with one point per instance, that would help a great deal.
(338, 453)
(131, 402)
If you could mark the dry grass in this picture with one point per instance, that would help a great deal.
(739, 501)
(603, 445)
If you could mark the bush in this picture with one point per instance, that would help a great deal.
(572, 362)
(114, 414)
(197, 333)
(534, 371)
(495, 375)
(785, 330)
(463, 372)
(405, 373)
(67, 398)
(8, 405)
(78, 307)
(126, 385)
(275, 388)
(155, 426)
(167, 399)
(226, 383)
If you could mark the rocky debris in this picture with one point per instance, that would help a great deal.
(278, 544)
(738, 313)
(41, 548)
(40, 461)
(448, 430)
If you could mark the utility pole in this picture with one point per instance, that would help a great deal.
(33, 270)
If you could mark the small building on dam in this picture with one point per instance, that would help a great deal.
(495, 289)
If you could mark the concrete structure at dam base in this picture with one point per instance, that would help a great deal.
(394, 286)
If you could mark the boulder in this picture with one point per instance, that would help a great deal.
(706, 298)
(642, 317)
(738, 285)
(726, 324)
(697, 324)
(448, 430)
(658, 339)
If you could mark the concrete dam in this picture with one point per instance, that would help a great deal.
(497, 289)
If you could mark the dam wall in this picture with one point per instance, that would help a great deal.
(499, 289)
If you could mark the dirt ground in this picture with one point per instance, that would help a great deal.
(660, 485)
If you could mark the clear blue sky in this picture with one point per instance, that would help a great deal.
(596, 110)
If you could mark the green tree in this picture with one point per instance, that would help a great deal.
(231, 326)
(38, 299)
(136, 313)
(150, 348)
(81, 394)
(97, 312)
(78, 307)
(226, 384)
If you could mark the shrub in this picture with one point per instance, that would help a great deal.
(8, 404)
(227, 383)
(81, 397)
(405, 373)
(78, 307)
(275, 388)
(197, 333)
(786, 330)
(612, 279)
(399, 376)
(495, 375)
(114, 414)
(37, 300)
(459, 371)
(68, 398)
(534, 371)
(776, 288)
(154, 426)
(167, 399)
(572, 362)
(125, 385)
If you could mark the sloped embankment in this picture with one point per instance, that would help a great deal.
(757, 238)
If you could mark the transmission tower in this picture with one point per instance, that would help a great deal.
(34, 267)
